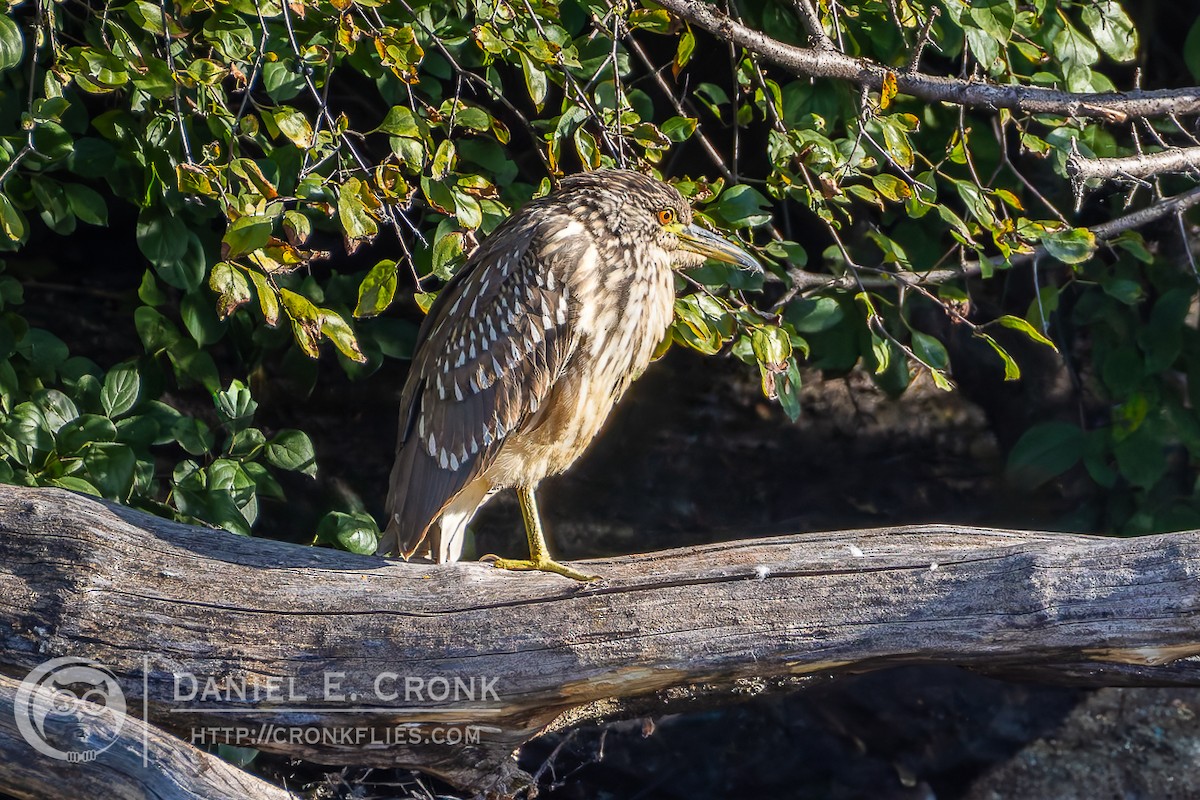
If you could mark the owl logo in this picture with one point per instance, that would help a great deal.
(70, 708)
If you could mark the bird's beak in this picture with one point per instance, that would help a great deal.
(699, 240)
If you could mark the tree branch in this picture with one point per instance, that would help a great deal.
(1134, 168)
(972, 269)
(829, 63)
(811, 20)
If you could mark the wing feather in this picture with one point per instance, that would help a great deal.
(487, 356)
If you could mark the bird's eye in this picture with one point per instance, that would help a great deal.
(666, 216)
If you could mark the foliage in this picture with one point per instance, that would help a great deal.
(250, 141)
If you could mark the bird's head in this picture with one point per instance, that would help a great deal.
(642, 213)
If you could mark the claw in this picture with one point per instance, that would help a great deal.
(544, 565)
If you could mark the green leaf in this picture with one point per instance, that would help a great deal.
(1011, 371)
(268, 299)
(163, 239)
(156, 331)
(357, 533)
(220, 508)
(401, 121)
(76, 484)
(1141, 457)
(685, 49)
(245, 235)
(1112, 29)
(1073, 48)
(122, 387)
(443, 160)
(193, 436)
(679, 129)
(281, 80)
(376, 291)
(56, 407)
(110, 468)
(246, 442)
(1124, 290)
(1018, 324)
(1072, 246)
(235, 407)
(27, 425)
(43, 349)
(87, 204)
(292, 450)
(930, 350)
(148, 291)
(12, 221)
(1044, 452)
(1191, 50)
(79, 432)
(535, 80)
(813, 315)
(12, 43)
(743, 206)
(200, 319)
(297, 227)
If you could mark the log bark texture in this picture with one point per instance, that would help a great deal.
(134, 761)
(279, 638)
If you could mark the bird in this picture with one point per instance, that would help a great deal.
(527, 349)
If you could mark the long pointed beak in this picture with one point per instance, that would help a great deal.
(708, 244)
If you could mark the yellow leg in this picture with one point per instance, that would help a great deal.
(539, 555)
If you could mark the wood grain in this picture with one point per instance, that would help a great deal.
(85, 578)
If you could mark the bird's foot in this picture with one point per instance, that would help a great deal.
(543, 565)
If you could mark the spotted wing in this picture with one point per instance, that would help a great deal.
(490, 350)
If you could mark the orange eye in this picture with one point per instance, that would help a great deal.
(666, 216)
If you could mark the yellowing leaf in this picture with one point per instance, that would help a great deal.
(231, 286)
(341, 334)
(888, 91)
(295, 126)
(268, 301)
(357, 211)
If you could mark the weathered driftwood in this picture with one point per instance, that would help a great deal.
(153, 600)
(134, 760)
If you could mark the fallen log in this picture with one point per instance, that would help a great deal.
(122, 757)
(339, 658)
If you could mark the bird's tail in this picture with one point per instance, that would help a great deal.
(417, 528)
(406, 527)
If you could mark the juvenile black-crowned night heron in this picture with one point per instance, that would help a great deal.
(528, 348)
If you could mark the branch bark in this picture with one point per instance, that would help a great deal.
(827, 63)
(1081, 169)
(1103, 232)
(340, 637)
